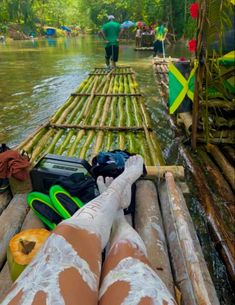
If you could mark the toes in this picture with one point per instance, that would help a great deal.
(101, 184)
(108, 181)
(100, 179)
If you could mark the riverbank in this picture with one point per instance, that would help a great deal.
(22, 32)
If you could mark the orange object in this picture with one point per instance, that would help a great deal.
(22, 249)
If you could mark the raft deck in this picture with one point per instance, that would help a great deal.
(108, 112)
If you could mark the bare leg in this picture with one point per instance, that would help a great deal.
(127, 277)
(66, 271)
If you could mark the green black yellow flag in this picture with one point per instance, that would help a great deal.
(179, 87)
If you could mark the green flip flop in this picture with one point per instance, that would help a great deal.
(64, 203)
(42, 206)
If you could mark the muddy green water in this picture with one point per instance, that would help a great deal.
(36, 77)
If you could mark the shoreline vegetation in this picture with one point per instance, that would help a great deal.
(21, 20)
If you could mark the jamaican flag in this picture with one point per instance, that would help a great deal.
(179, 87)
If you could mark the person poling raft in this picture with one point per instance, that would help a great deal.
(66, 270)
(111, 33)
(160, 36)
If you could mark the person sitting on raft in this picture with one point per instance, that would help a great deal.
(67, 269)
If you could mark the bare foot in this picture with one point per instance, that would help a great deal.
(133, 168)
(122, 184)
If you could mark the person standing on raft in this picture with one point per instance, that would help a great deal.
(111, 33)
(67, 269)
(160, 36)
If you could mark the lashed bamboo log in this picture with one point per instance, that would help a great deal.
(71, 133)
(31, 221)
(73, 115)
(59, 117)
(218, 104)
(28, 139)
(216, 140)
(5, 281)
(191, 273)
(148, 223)
(64, 141)
(227, 169)
(107, 94)
(219, 229)
(96, 117)
(229, 152)
(159, 171)
(221, 185)
(100, 134)
(5, 198)
(10, 222)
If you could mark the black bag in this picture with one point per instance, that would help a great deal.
(79, 185)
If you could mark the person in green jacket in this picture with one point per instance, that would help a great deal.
(111, 33)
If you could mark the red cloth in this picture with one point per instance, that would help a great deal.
(12, 164)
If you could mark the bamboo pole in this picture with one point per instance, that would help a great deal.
(5, 198)
(76, 117)
(100, 134)
(199, 74)
(227, 169)
(80, 134)
(30, 137)
(200, 289)
(220, 185)
(60, 133)
(148, 223)
(97, 115)
(43, 141)
(229, 152)
(219, 229)
(10, 222)
(5, 281)
(159, 171)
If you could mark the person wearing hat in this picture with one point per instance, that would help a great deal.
(111, 32)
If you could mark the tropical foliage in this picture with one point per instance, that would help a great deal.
(91, 14)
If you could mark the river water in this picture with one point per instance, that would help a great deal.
(36, 77)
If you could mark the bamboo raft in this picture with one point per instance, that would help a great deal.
(216, 185)
(107, 112)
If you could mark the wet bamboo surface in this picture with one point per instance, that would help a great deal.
(106, 112)
(212, 168)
